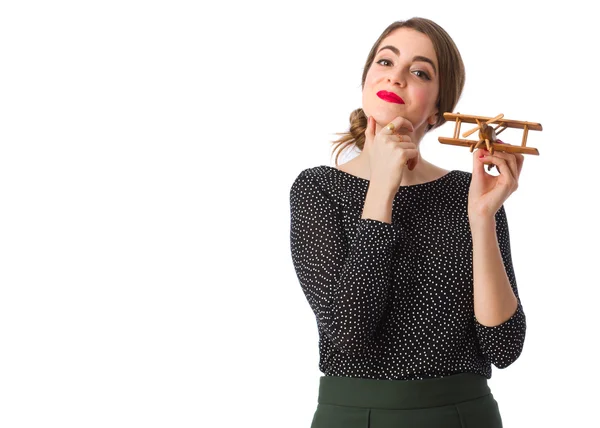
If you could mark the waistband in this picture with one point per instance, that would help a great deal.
(401, 394)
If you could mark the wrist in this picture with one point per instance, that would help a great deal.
(482, 221)
(383, 187)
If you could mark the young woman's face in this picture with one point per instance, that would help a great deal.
(409, 69)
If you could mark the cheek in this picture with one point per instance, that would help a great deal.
(374, 76)
(420, 96)
(370, 81)
(367, 93)
(424, 98)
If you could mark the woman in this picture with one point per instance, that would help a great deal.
(407, 266)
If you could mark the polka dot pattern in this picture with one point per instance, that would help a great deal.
(395, 301)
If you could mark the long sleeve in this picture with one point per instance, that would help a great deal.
(346, 279)
(502, 344)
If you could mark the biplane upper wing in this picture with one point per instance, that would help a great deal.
(467, 118)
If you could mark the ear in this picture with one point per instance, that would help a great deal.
(432, 119)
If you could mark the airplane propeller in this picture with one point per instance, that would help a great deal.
(487, 134)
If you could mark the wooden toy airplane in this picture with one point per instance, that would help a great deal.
(488, 135)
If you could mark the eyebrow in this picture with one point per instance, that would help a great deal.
(416, 58)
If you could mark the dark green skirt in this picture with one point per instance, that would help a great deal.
(459, 401)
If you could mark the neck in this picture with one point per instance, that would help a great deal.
(424, 171)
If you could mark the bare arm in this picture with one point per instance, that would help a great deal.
(500, 321)
(378, 203)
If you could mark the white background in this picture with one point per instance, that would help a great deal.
(147, 151)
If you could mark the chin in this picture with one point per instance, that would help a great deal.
(383, 116)
(384, 119)
(382, 111)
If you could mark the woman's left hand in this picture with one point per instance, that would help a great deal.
(487, 193)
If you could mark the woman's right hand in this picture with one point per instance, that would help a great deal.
(390, 152)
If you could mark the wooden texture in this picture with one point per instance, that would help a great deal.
(488, 134)
(467, 118)
(509, 148)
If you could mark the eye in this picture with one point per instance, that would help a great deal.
(421, 74)
(386, 60)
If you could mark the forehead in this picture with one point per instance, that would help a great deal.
(410, 42)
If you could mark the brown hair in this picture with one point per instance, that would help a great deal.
(451, 75)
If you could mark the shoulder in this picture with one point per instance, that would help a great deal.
(313, 178)
(314, 172)
(455, 184)
(317, 187)
(460, 182)
(463, 176)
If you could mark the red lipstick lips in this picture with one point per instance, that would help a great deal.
(390, 97)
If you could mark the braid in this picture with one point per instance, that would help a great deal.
(355, 135)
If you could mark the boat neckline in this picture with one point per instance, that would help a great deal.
(364, 180)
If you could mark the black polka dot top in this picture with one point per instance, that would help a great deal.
(395, 301)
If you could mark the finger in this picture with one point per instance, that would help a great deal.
(370, 132)
(481, 158)
(412, 163)
(388, 129)
(478, 166)
(511, 161)
(397, 125)
(394, 138)
(408, 155)
(520, 160)
(502, 165)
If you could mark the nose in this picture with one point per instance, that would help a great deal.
(398, 78)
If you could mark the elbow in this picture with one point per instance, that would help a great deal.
(507, 359)
(352, 344)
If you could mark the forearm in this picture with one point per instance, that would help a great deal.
(361, 292)
(345, 277)
(378, 203)
(494, 300)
